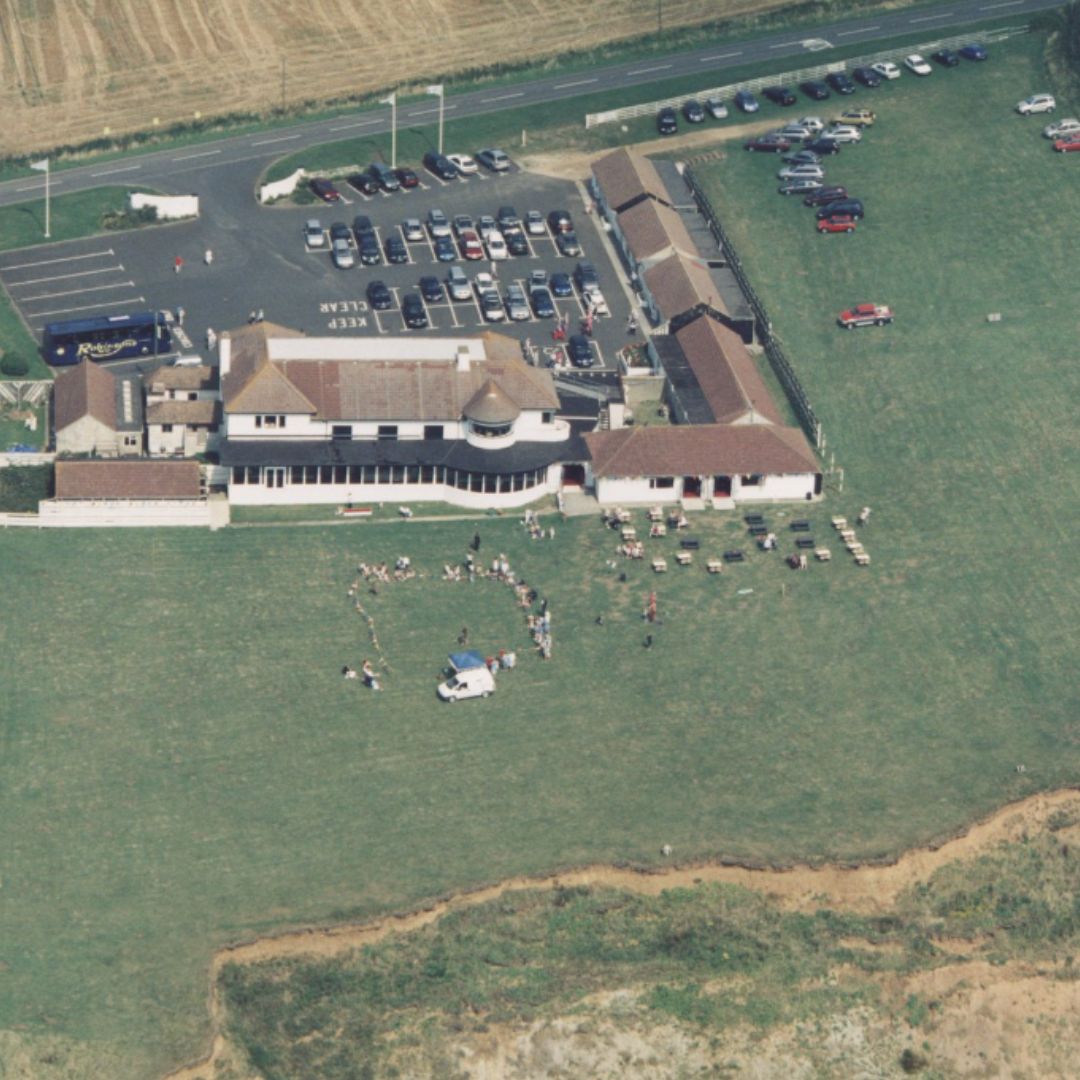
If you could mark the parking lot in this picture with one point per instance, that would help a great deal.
(262, 263)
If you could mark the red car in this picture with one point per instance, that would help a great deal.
(406, 177)
(865, 315)
(836, 223)
(770, 143)
(469, 243)
(323, 189)
(1068, 144)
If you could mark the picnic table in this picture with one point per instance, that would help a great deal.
(754, 519)
(659, 565)
(714, 566)
(800, 526)
(758, 530)
(734, 556)
(629, 532)
(805, 542)
(822, 554)
(690, 543)
(684, 558)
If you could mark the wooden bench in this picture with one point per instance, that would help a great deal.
(734, 556)
(684, 558)
(822, 554)
(800, 526)
(804, 542)
(659, 565)
(839, 523)
(862, 559)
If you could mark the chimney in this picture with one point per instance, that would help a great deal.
(462, 358)
(224, 355)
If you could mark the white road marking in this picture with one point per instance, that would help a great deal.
(39, 185)
(110, 172)
(90, 307)
(787, 45)
(930, 18)
(356, 123)
(189, 157)
(68, 258)
(719, 56)
(280, 138)
(650, 70)
(867, 29)
(61, 277)
(504, 97)
(77, 292)
(1004, 3)
(585, 82)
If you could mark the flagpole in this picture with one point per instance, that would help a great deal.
(393, 130)
(47, 199)
(442, 99)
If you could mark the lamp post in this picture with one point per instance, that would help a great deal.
(392, 102)
(440, 92)
(43, 166)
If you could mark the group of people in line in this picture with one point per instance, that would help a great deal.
(535, 528)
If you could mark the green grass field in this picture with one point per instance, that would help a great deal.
(182, 765)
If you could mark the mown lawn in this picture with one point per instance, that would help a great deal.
(182, 764)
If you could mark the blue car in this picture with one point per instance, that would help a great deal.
(561, 285)
(444, 249)
(746, 101)
(973, 51)
(542, 304)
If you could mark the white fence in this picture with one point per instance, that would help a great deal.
(280, 188)
(31, 521)
(819, 71)
(16, 459)
(118, 513)
(168, 207)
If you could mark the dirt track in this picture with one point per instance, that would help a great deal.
(863, 889)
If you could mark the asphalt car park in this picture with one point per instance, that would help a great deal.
(261, 263)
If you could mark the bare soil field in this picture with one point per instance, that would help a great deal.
(73, 72)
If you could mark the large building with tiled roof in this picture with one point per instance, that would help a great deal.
(351, 420)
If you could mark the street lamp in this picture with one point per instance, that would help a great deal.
(440, 92)
(392, 102)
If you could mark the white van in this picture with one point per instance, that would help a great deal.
(473, 682)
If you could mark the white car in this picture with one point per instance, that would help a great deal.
(716, 108)
(842, 133)
(496, 246)
(801, 172)
(917, 64)
(814, 123)
(534, 223)
(795, 132)
(886, 69)
(1037, 103)
(314, 236)
(466, 165)
(1061, 128)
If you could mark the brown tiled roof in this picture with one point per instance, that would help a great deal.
(726, 372)
(701, 450)
(679, 284)
(624, 176)
(180, 377)
(86, 390)
(127, 480)
(247, 352)
(652, 229)
(490, 405)
(195, 413)
(271, 390)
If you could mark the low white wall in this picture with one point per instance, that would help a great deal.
(15, 459)
(111, 514)
(168, 207)
(280, 188)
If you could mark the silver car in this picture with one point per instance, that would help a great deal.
(517, 307)
(342, 254)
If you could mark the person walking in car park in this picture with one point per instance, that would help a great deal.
(178, 264)
(180, 313)
(208, 258)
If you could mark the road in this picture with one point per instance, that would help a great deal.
(171, 170)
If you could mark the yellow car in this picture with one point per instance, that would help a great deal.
(856, 117)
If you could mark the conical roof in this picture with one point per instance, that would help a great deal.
(491, 405)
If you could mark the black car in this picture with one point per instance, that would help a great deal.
(945, 57)
(323, 189)
(780, 95)
(362, 226)
(567, 243)
(363, 182)
(821, 147)
(406, 177)
(825, 195)
(507, 218)
(867, 76)
(693, 111)
(667, 121)
(340, 231)
(814, 90)
(396, 251)
(368, 246)
(413, 312)
(586, 277)
(384, 176)
(853, 207)
(444, 248)
(379, 296)
(440, 165)
(542, 304)
(560, 221)
(431, 289)
(516, 243)
(839, 81)
(579, 349)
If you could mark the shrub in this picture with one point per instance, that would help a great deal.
(14, 366)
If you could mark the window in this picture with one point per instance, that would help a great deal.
(490, 431)
(341, 431)
(166, 427)
(131, 440)
(387, 431)
(192, 396)
(271, 421)
(661, 481)
(753, 480)
(547, 417)
(433, 431)
(238, 474)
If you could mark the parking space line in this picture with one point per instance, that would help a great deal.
(77, 292)
(62, 277)
(111, 172)
(50, 262)
(90, 307)
(191, 157)
(280, 138)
